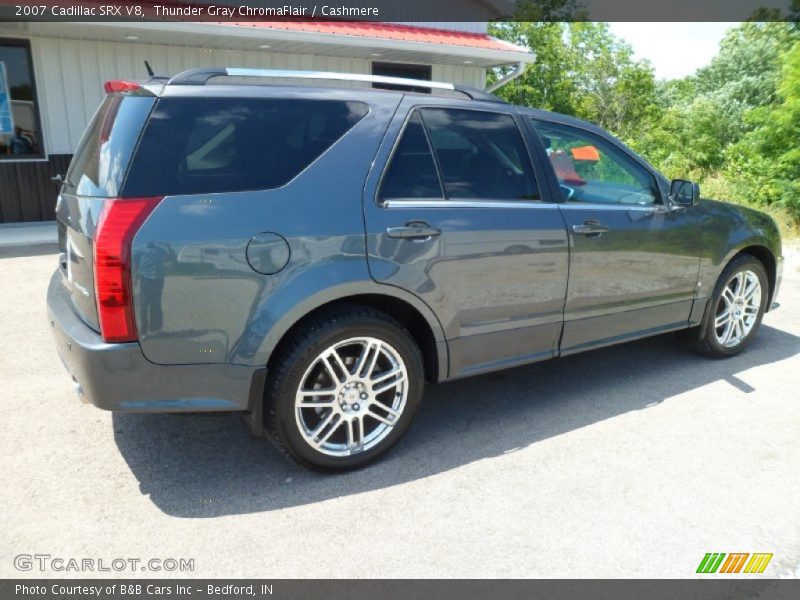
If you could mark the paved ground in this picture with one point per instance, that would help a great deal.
(25, 234)
(626, 462)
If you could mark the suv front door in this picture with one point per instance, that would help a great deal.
(633, 259)
(455, 214)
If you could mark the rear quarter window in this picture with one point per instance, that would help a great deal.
(102, 157)
(208, 145)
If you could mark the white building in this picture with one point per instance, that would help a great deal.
(56, 73)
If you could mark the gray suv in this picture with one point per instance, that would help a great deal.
(311, 256)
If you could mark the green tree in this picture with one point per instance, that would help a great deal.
(614, 90)
(704, 115)
(766, 162)
(584, 70)
(746, 70)
(548, 83)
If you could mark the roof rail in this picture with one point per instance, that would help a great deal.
(203, 75)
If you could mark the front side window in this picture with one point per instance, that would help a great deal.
(590, 169)
(208, 145)
(20, 133)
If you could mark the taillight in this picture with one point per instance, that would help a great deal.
(119, 85)
(119, 221)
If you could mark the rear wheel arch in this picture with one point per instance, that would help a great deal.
(324, 405)
(426, 335)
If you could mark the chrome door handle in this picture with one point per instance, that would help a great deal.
(591, 228)
(413, 230)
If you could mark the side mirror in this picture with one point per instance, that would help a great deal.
(683, 192)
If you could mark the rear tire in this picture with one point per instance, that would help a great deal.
(344, 389)
(736, 308)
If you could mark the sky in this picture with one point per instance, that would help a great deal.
(674, 49)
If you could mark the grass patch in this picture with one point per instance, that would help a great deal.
(718, 187)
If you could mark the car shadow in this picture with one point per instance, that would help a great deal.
(206, 465)
(28, 250)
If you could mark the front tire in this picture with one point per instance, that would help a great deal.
(344, 389)
(736, 308)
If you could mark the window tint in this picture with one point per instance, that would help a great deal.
(99, 163)
(590, 169)
(412, 172)
(206, 145)
(20, 134)
(480, 154)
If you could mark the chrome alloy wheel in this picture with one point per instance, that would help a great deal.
(737, 309)
(351, 396)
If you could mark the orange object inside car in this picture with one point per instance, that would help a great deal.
(589, 153)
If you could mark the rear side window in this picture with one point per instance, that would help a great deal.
(412, 173)
(481, 154)
(103, 153)
(207, 145)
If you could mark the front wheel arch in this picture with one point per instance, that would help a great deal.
(761, 254)
(698, 336)
(767, 259)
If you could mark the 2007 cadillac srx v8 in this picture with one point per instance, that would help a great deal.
(311, 256)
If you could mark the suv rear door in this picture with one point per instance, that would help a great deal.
(457, 214)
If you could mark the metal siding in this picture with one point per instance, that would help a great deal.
(70, 75)
(467, 75)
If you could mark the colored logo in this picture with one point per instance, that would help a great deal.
(719, 562)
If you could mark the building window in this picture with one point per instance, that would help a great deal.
(20, 131)
(405, 71)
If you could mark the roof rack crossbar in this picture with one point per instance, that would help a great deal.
(203, 75)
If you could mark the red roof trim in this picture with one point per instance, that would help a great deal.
(388, 31)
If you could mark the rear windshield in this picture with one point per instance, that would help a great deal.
(206, 145)
(99, 163)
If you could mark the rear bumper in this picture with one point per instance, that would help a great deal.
(118, 377)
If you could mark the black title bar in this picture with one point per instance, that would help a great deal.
(396, 11)
(281, 589)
